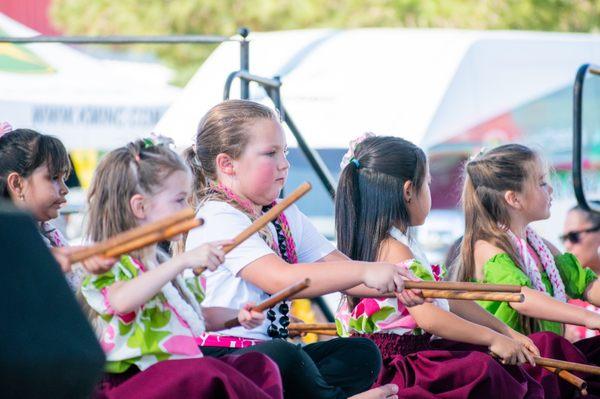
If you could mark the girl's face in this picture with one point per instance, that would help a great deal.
(43, 194)
(171, 198)
(536, 196)
(261, 171)
(420, 205)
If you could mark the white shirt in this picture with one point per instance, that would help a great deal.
(224, 287)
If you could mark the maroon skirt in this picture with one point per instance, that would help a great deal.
(557, 347)
(251, 375)
(426, 369)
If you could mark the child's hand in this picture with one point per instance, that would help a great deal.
(209, 255)
(510, 351)
(98, 264)
(384, 277)
(250, 319)
(95, 265)
(525, 341)
(410, 297)
(62, 257)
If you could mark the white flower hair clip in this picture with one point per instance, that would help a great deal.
(478, 154)
(5, 128)
(352, 147)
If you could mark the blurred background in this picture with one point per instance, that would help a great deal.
(452, 76)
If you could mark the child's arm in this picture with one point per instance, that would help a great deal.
(592, 291)
(408, 298)
(537, 304)
(215, 317)
(540, 305)
(471, 311)
(127, 296)
(447, 325)
(270, 273)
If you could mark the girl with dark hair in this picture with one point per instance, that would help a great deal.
(506, 189)
(33, 171)
(383, 192)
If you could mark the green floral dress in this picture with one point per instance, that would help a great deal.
(161, 329)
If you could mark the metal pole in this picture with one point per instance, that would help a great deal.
(200, 39)
(244, 63)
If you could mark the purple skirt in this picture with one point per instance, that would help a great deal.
(427, 369)
(557, 347)
(251, 375)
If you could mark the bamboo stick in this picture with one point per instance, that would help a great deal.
(460, 286)
(310, 327)
(473, 295)
(153, 238)
(264, 220)
(332, 333)
(569, 366)
(570, 378)
(130, 235)
(273, 300)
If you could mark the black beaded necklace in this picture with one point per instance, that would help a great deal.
(284, 321)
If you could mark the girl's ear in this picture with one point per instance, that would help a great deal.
(15, 183)
(225, 164)
(408, 191)
(513, 199)
(137, 204)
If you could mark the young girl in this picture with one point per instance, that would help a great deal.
(506, 189)
(33, 170)
(383, 191)
(240, 165)
(149, 319)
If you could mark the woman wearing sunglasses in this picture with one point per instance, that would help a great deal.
(581, 237)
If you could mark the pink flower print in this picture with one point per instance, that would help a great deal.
(437, 272)
(366, 307)
(107, 342)
(181, 345)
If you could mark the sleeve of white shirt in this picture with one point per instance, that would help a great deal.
(222, 222)
(310, 244)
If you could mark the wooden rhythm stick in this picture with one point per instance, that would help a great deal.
(569, 366)
(570, 378)
(314, 328)
(264, 220)
(460, 286)
(332, 333)
(274, 300)
(311, 326)
(473, 295)
(153, 238)
(156, 230)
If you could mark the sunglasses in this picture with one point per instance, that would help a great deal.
(573, 236)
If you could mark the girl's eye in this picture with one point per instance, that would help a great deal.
(180, 200)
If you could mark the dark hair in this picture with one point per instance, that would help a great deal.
(23, 150)
(591, 217)
(369, 199)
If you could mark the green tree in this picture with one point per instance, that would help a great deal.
(223, 17)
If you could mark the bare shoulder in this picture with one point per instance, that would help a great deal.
(393, 251)
(484, 250)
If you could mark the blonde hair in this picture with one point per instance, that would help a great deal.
(486, 179)
(138, 168)
(223, 130)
